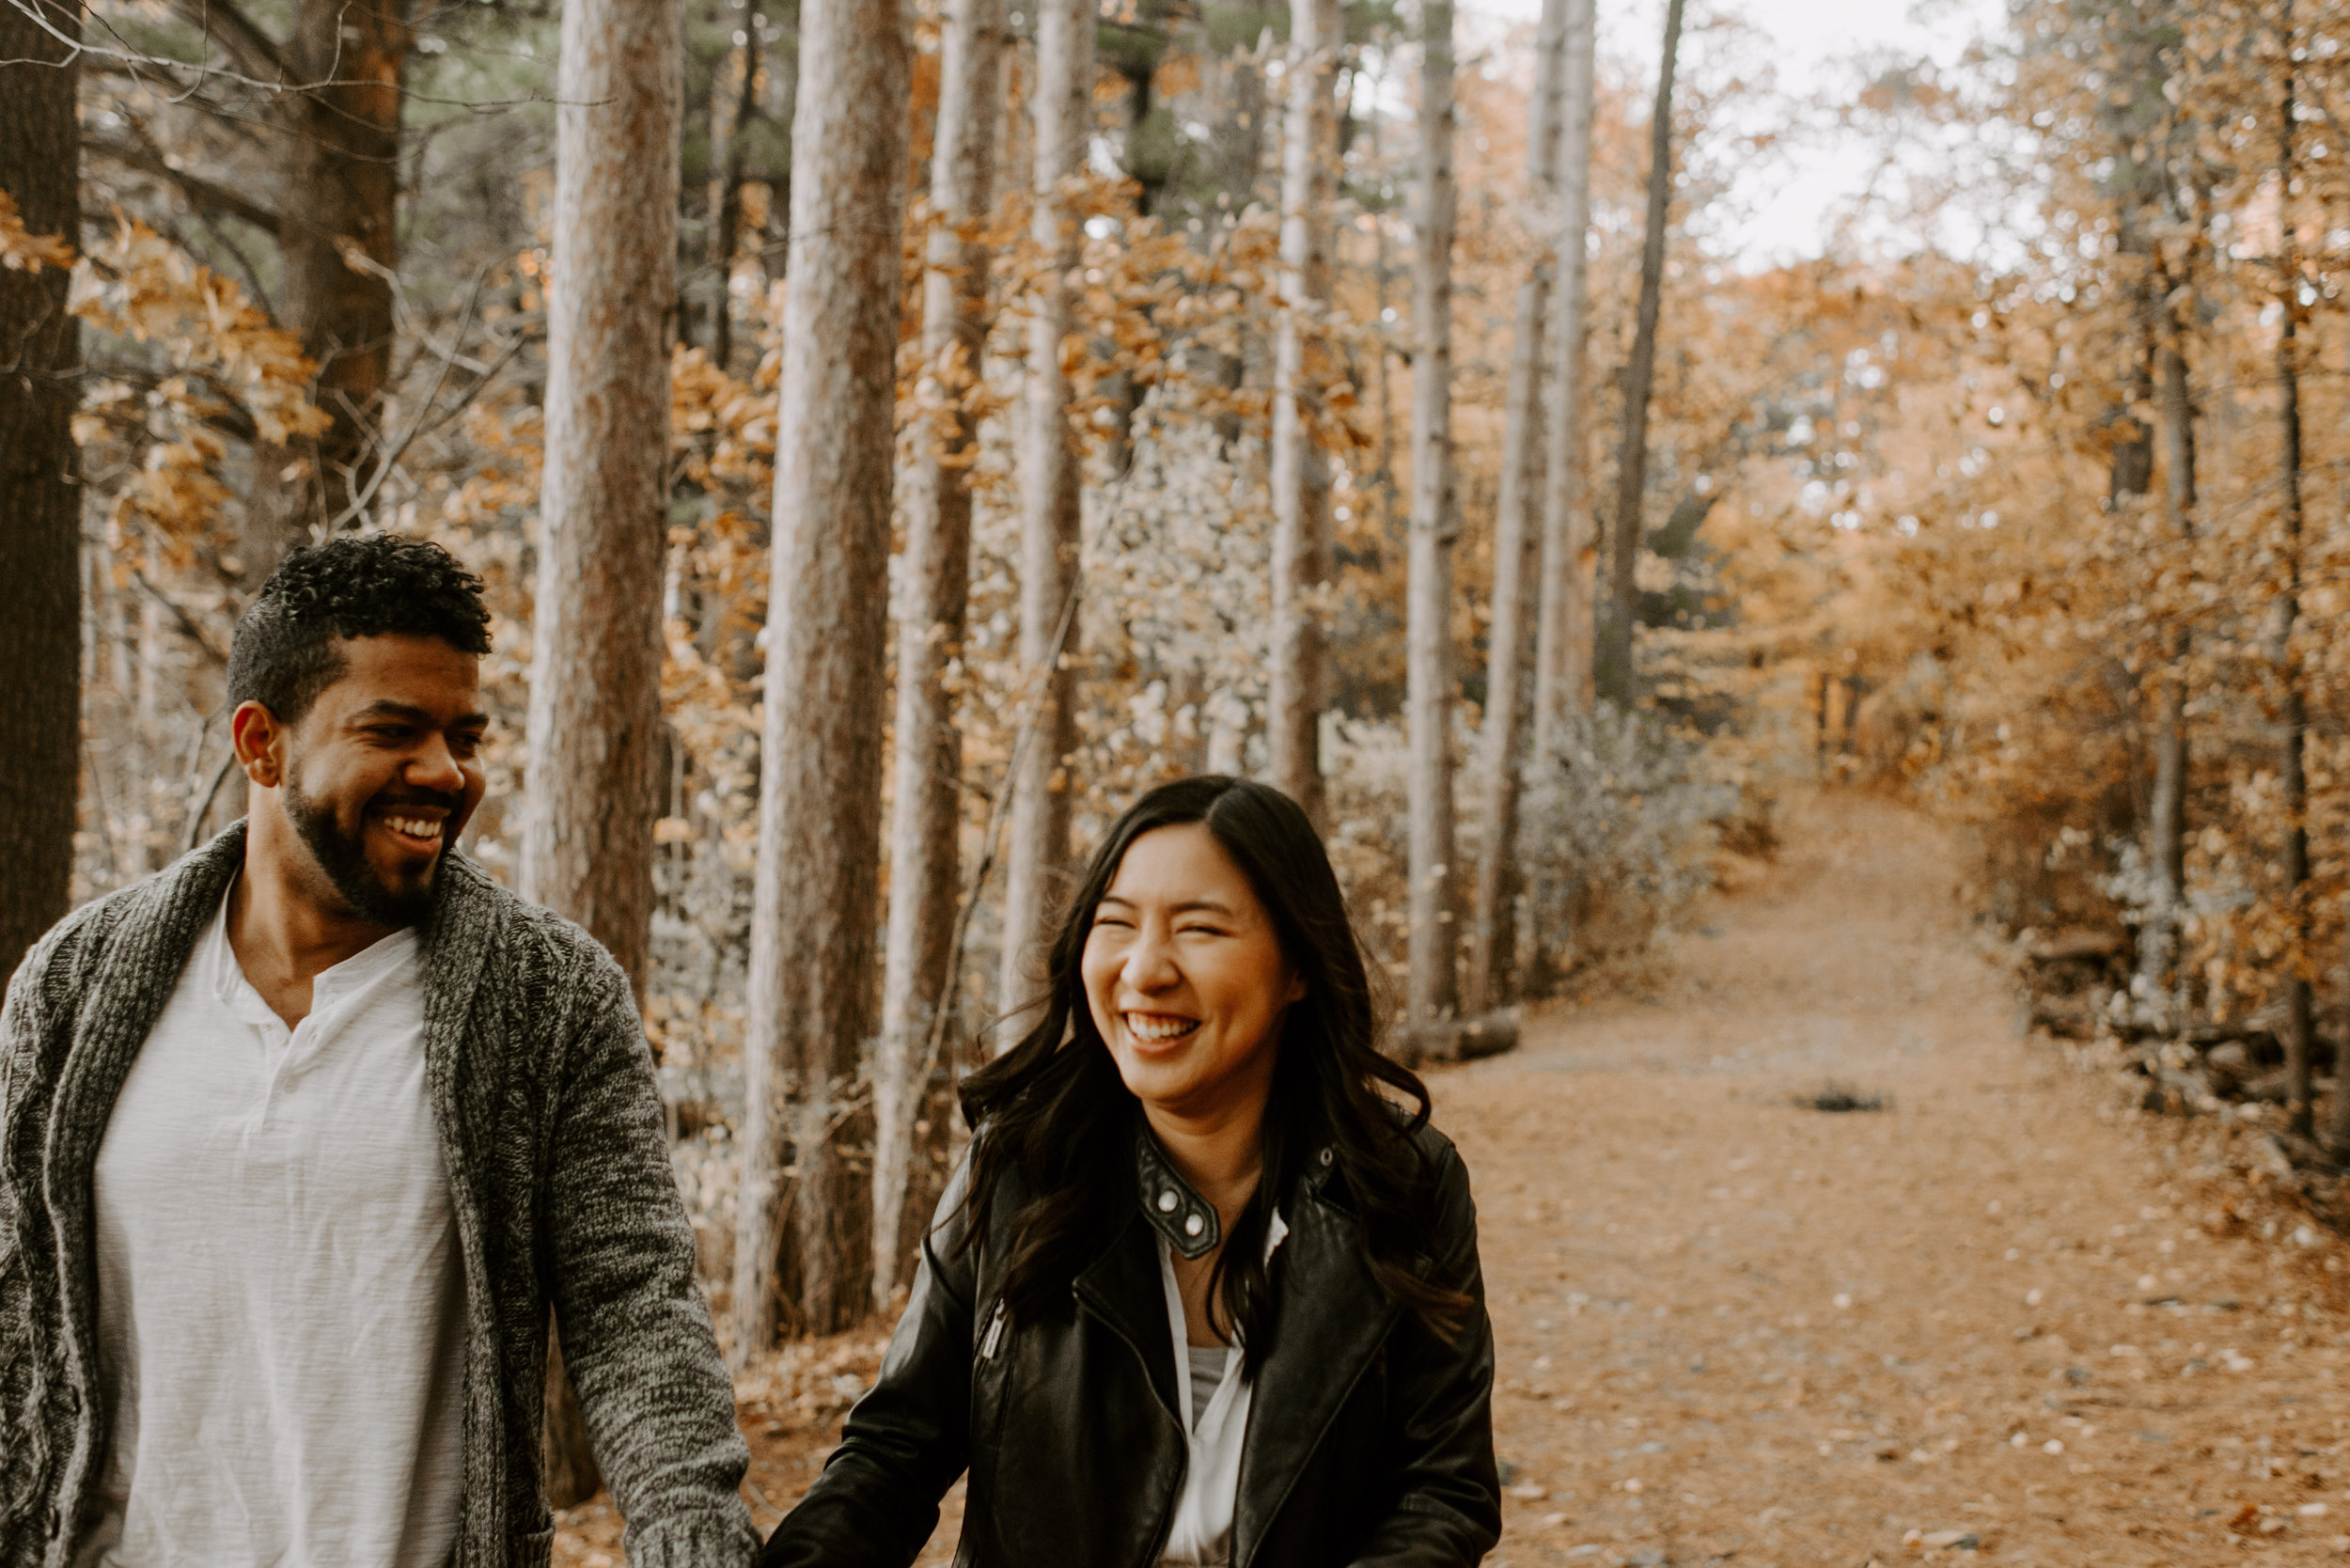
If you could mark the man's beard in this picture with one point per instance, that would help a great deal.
(343, 859)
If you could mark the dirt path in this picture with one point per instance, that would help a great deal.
(1731, 1329)
(1989, 1323)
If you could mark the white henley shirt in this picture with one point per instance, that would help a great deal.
(281, 1305)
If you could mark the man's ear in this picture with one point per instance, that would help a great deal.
(260, 742)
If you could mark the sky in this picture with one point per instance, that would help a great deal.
(1816, 42)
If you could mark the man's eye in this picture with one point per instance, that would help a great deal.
(465, 746)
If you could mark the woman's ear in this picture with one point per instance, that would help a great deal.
(1295, 990)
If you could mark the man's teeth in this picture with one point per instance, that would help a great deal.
(1159, 1029)
(415, 827)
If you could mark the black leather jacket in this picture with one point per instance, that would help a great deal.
(1370, 1438)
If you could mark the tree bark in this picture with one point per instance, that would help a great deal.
(1429, 672)
(926, 810)
(1049, 500)
(1612, 673)
(1299, 684)
(2166, 814)
(1492, 923)
(591, 788)
(810, 1007)
(727, 227)
(338, 137)
(2300, 1027)
(40, 498)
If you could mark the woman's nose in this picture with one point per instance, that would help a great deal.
(1150, 965)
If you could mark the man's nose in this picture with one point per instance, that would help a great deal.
(435, 767)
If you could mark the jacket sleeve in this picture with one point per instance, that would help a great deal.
(637, 1340)
(1440, 1431)
(907, 1440)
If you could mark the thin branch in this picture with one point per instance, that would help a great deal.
(221, 20)
(416, 426)
(203, 193)
(187, 623)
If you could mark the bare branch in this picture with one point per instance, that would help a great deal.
(205, 194)
(254, 50)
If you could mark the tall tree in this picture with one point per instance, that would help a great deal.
(1049, 514)
(2295, 718)
(818, 889)
(590, 794)
(1563, 637)
(935, 588)
(336, 148)
(1298, 687)
(1493, 925)
(1612, 674)
(40, 498)
(1433, 980)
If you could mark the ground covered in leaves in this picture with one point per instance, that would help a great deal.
(2001, 1318)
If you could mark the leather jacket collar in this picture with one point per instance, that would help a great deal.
(1186, 1220)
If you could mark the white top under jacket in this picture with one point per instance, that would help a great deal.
(281, 1305)
(1203, 1536)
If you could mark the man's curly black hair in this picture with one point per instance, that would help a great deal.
(285, 650)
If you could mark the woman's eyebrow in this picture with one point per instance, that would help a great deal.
(1202, 905)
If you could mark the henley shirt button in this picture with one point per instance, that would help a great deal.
(1167, 1201)
(1193, 1224)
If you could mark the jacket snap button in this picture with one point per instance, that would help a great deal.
(1167, 1202)
(1194, 1225)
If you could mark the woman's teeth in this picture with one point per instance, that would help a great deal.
(1153, 1030)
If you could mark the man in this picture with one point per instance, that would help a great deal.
(299, 1138)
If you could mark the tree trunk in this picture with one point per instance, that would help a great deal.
(727, 227)
(1298, 688)
(812, 979)
(591, 788)
(1049, 502)
(1612, 674)
(926, 810)
(1429, 673)
(40, 498)
(1563, 640)
(2166, 814)
(2298, 1030)
(338, 183)
(1493, 917)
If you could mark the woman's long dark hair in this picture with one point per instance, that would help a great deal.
(1055, 1108)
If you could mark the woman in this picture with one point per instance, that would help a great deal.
(1202, 1292)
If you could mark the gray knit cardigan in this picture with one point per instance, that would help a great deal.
(550, 1126)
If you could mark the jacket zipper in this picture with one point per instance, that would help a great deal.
(1183, 1459)
(995, 1335)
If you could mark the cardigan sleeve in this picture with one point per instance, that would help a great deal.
(637, 1339)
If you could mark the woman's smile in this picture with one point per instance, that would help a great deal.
(1158, 1029)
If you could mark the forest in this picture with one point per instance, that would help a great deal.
(896, 431)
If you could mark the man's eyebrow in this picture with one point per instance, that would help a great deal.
(388, 709)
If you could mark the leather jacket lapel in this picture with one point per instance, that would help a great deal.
(1121, 1288)
(1329, 1319)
